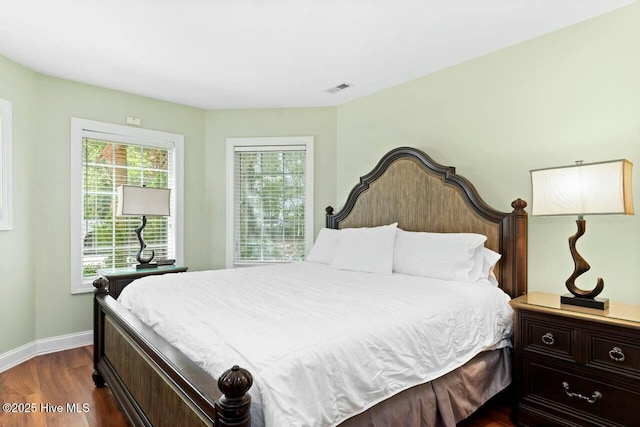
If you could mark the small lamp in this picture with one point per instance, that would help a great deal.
(583, 189)
(145, 201)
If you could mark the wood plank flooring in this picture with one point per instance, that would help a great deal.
(494, 414)
(63, 379)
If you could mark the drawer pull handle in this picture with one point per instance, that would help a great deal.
(616, 354)
(595, 396)
(548, 339)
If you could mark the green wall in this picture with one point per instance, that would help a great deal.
(35, 267)
(221, 124)
(570, 95)
(17, 287)
(59, 312)
(35, 255)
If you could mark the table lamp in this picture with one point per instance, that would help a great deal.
(143, 201)
(602, 188)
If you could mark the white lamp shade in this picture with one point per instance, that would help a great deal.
(137, 201)
(586, 189)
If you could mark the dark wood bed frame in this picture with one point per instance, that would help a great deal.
(155, 384)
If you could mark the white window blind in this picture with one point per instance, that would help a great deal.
(272, 198)
(108, 240)
(104, 156)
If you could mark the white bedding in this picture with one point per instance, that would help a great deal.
(322, 344)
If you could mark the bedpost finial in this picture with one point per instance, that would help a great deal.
(102, 285)
(233, 407)
(329, 210)
(518, 204)
(235, 382)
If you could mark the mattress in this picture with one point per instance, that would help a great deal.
(322, 344)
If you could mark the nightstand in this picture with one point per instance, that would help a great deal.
(119, 278)
(576, 366)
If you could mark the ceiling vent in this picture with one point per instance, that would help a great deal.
(339, 88)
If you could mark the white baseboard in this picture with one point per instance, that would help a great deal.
(43, 346)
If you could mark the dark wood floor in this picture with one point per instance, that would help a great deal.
(62, 379)
(494, 414)
(58, 379)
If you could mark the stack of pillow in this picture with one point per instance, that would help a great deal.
(389, 249)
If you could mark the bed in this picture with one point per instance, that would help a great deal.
(157, 384)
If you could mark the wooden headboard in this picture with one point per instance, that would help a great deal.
(409, 188)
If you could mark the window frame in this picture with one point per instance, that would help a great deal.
(232, 143)
(81, 128)
(6, 172)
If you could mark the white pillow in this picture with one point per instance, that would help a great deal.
(366, 249)
(324, 247)
(489, 261)
(448, 256)
(478, 264)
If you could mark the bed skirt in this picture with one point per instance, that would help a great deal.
(444, 401)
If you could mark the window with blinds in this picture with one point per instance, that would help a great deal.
(271, 199)
(103, 157)
(108, 240)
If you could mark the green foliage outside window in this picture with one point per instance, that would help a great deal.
(108, 240)
(270, 205)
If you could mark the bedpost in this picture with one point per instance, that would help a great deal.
(234, 404)
(102, 290)
(519, 230)
(329, 211)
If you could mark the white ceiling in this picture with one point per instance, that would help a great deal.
(268, 53)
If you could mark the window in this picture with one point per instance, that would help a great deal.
(269, 199)
(5, 165)
(105, 156)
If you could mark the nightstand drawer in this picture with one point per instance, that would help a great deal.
(576, 366)
(597, 403)
(608, 352)
(553, 339)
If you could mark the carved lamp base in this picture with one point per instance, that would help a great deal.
(599, 303)
(146, 265)
(579, 296)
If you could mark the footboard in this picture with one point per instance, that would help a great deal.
(155, 384)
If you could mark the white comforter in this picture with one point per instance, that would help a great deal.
(322, 344)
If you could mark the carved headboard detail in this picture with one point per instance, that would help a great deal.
(409, 188)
